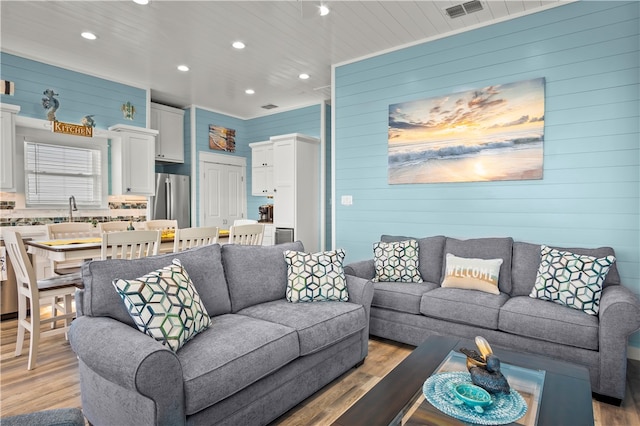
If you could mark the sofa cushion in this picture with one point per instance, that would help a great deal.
(203, 263)
(430, 255)
(233, 353)
(472, 274)
(571, 279)
(550, 322)
(485, 248)
(256, 274)
(396, 261)
(315, 276)
(318, 324)
(402, 297)
(463, 306)
(526, 260)
(165, 305)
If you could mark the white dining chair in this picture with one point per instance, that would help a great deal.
(161, 224)
(130, 244)
(116, 226)
(246, 234)
(187, 238)
(58, 231)
(239, 222)
(32, 293)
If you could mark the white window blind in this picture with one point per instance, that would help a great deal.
(53, 173)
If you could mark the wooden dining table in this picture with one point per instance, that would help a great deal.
(64, 250)
(77, 248)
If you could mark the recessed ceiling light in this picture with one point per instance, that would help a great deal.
(303, 76)
(183, 68)
(238, 45)
(249, 91)
(324, 10)
(89, 35)
(142, 2)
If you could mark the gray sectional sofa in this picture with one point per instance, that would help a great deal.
(410, 312)
(260, 357)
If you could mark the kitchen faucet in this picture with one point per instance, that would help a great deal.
(72, 207)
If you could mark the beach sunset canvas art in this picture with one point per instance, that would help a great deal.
(493, 133)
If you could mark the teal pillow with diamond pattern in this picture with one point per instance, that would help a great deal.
(396, 262)
(571, 279)
(313, 277)
(165, 305)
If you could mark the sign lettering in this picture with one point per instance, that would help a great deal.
(72, 129)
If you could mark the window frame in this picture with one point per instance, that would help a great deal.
(50, 138)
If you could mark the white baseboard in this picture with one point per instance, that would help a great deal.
(633, 353)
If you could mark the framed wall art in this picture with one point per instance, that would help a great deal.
(222, 139)
(486, 134)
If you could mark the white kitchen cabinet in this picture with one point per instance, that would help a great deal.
(268, 238)
(133, 160)
(8, 147)
(169, 122)
(296, 178)
(262, 168)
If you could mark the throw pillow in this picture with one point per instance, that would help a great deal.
(396, 261)
(571, 279)
(472, 274)
(315, 277)
(165, 305)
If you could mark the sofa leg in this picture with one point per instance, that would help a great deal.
(359, 363)
(607, 399)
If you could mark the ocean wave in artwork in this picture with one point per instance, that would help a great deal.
(417, 153)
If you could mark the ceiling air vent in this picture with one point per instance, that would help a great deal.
(455, 11)
(472, 6)
(269, 106)
(464, 9)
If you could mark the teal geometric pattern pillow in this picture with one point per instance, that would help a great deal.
(316, 276)
(165, 305)
(396, 262)
(571, 279)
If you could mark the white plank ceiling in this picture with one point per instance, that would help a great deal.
(142, 45)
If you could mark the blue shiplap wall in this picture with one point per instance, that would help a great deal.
(203, 119)
(79, 94)
(303, 120)
(329, 196)
(590, 195)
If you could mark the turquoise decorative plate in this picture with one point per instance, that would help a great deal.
(503, 409)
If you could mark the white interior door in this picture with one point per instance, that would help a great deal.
(222, 190)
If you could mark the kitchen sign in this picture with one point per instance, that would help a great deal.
(72, 129)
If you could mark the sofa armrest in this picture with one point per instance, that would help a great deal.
(361, 292)
(132, 360)
(79, 298)
(619, 317)
(619, 311)
(364, 269)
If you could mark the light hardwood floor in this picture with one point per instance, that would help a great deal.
(55, 383)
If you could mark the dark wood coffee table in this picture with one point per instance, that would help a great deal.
(566, 394)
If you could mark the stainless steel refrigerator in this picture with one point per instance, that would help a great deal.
(172, 199)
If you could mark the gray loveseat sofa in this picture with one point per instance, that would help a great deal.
(260, 357)
(410, 312)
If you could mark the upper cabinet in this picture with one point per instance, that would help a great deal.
(262, 168)
(8, 147)
(132, 161)
(169, 122)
